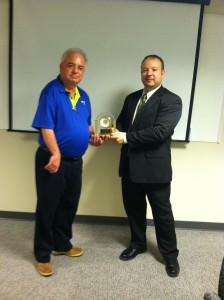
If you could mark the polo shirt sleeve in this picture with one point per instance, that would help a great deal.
(45, 114)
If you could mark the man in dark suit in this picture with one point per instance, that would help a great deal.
(144, 128)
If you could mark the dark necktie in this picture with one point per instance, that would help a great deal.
(142, 102)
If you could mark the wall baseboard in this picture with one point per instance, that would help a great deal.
(106, 220)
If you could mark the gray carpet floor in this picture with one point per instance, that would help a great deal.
(99, 274)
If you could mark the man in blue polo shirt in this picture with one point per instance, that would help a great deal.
(63, 118)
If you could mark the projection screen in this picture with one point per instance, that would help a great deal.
(116, 35)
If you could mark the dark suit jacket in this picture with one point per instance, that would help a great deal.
(149, 137)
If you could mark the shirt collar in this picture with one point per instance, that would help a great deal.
(149, 94)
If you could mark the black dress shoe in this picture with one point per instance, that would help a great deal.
(131, 253)
(173, 269)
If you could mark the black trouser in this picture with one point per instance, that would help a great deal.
(57, 202)
(134, 198)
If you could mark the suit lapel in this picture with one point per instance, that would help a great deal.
(147, 106)
(133, 105)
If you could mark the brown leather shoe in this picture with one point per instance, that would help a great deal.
(44, 269)
(73, 252)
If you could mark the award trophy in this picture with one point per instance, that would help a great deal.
(105, 124)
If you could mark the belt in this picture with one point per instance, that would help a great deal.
(62, 156)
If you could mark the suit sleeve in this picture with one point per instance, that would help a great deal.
(167, 116)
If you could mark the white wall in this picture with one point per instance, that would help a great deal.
(197, 189)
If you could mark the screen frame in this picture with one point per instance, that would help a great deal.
(202, 3)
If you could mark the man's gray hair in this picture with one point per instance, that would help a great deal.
(77, 50)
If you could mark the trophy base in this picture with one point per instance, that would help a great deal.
(105, 131)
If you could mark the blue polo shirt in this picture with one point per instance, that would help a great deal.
(71, 127)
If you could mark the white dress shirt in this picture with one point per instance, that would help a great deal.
(149, 94)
